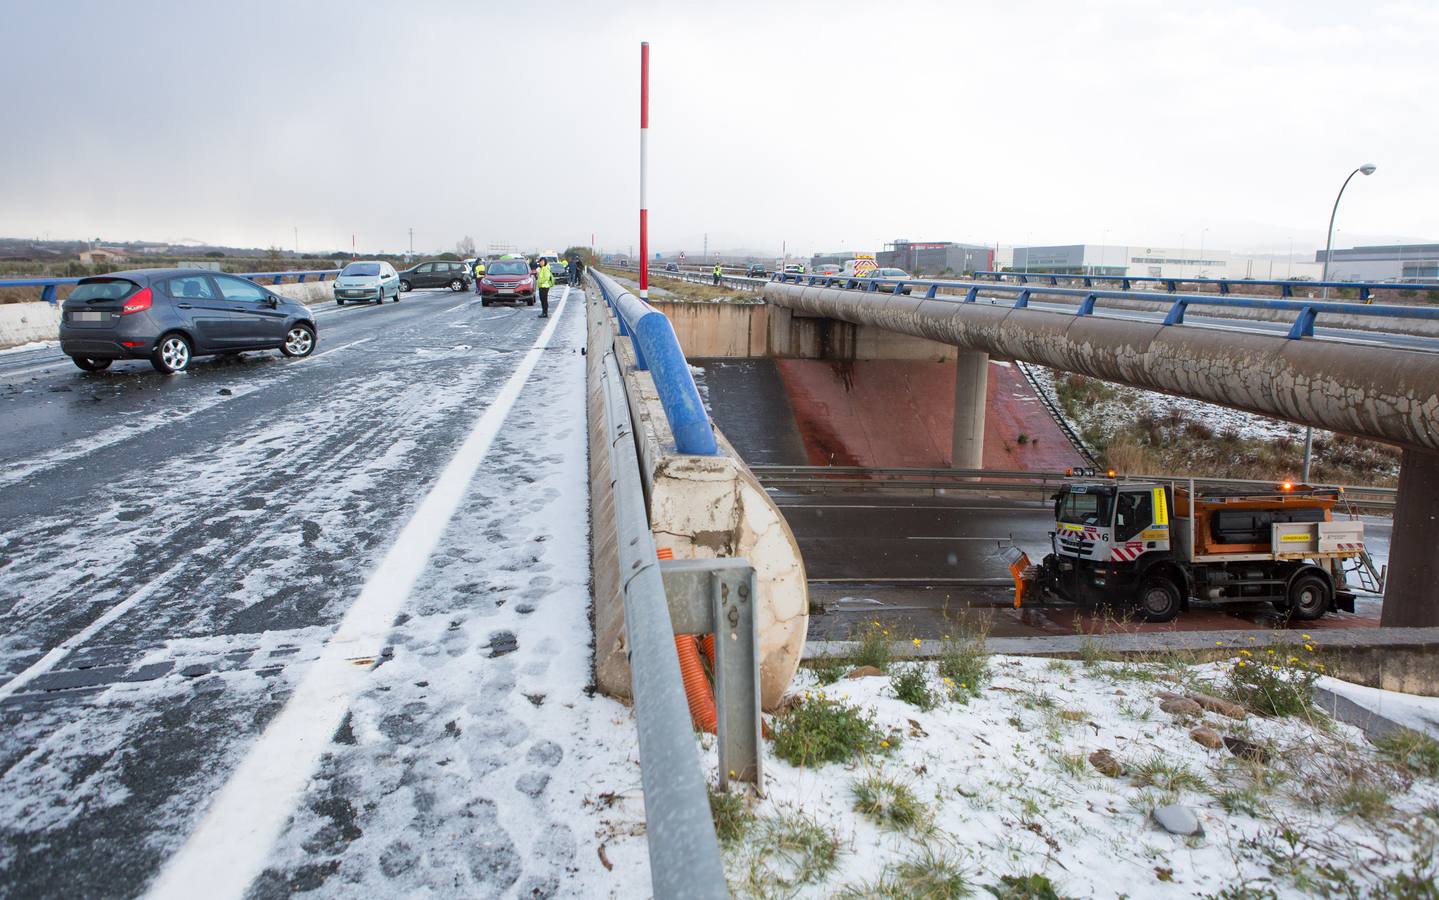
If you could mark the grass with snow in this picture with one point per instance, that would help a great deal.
(992, 792)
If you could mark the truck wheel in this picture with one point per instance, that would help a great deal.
(1159, 599)
(1309, 597)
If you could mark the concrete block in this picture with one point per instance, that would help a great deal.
(23, 323)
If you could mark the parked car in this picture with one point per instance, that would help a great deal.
(827, 269)
(170, 316)
(367, 281)
(794, 269)
(507, 279)
(561, 270)
(891, 274)
(756, 270)
(438, 273)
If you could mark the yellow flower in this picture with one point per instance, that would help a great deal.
(1270, 652)
(1309, 647)
(1252, 639)
(1321, 667)
(884, 744)
(875, 624)
(1219, 643)
(1245, 653)
(1239, 665)
(1307, 637)
(947, 681)
(963, 685)
(884, 632)
(915, 642)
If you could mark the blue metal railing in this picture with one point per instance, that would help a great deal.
(48, 285)
(1303, 326)
(658, 351)
(1286, 288)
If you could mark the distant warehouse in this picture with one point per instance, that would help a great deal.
(1388, 262)
(936, 257)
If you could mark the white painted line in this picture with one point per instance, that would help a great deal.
(229, 848)
(48, 661)
(341, 347)
(14, 373)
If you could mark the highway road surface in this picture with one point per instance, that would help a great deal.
(277, 625)
(924, 563)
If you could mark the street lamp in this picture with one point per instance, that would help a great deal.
(1367, 169)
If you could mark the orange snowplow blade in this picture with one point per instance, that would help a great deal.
(1019, 567)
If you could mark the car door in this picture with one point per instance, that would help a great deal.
(204, 309)
(424, 276)
(258, 320)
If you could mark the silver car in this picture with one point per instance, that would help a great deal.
(367, 281)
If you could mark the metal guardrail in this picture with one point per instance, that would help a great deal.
(1016, 481)
(684, 851)
(48, 285)
(663, 598)
(1306, 311)
(1287, 287)
(658, 351)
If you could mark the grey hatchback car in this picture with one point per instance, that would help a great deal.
(170, 316)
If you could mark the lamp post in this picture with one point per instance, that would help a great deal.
(1367, 169)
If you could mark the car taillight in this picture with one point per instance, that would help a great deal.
(138, 303)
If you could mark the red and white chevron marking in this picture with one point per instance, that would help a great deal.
(1127, 553)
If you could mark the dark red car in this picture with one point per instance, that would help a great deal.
(509, 280)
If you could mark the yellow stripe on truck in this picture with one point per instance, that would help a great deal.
(1161, 510)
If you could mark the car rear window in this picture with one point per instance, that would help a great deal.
(508, 267)
(103, 289)
(362, 269)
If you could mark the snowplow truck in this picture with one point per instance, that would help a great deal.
(1154, 546)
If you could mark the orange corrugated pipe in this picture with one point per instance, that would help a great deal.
(697, 686)
(707, 644)
(698, 691)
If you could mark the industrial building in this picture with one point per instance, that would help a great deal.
(936, 257)
(1389, 262)
(1157, 262)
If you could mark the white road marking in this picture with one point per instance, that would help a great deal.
(14, 373)
(228, 849)
(339, 348)
(48, 661)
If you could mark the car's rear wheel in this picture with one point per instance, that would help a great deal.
(404, 287)
(91, 364)
(300, 341)
(484, 302)
(172, 354)
(457, 285)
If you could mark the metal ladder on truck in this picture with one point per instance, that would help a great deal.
(1371, 578)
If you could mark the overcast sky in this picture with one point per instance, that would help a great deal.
(829, 125)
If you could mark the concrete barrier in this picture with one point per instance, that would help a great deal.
(21, 323)
(700, 507)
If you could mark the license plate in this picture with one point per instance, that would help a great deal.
(89, 316)
(506, 291)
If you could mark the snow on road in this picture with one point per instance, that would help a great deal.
(205, 586)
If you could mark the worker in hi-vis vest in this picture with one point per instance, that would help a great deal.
(719, 270)
(479, 273)
(544, 280)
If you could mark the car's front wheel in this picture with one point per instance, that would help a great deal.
(457, 285)
(91, 364)
(172, 354)
(339, 302)
(404, 287)
(300, 341)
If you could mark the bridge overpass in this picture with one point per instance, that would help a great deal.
(1383, 387)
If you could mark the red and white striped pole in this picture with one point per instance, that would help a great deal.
(644, 164)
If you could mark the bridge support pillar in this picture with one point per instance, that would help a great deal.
(971, 390)
(1411, 593)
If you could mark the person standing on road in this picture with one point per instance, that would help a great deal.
(544, 280)
(578, 268)
(719, 270)
(479, 273)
